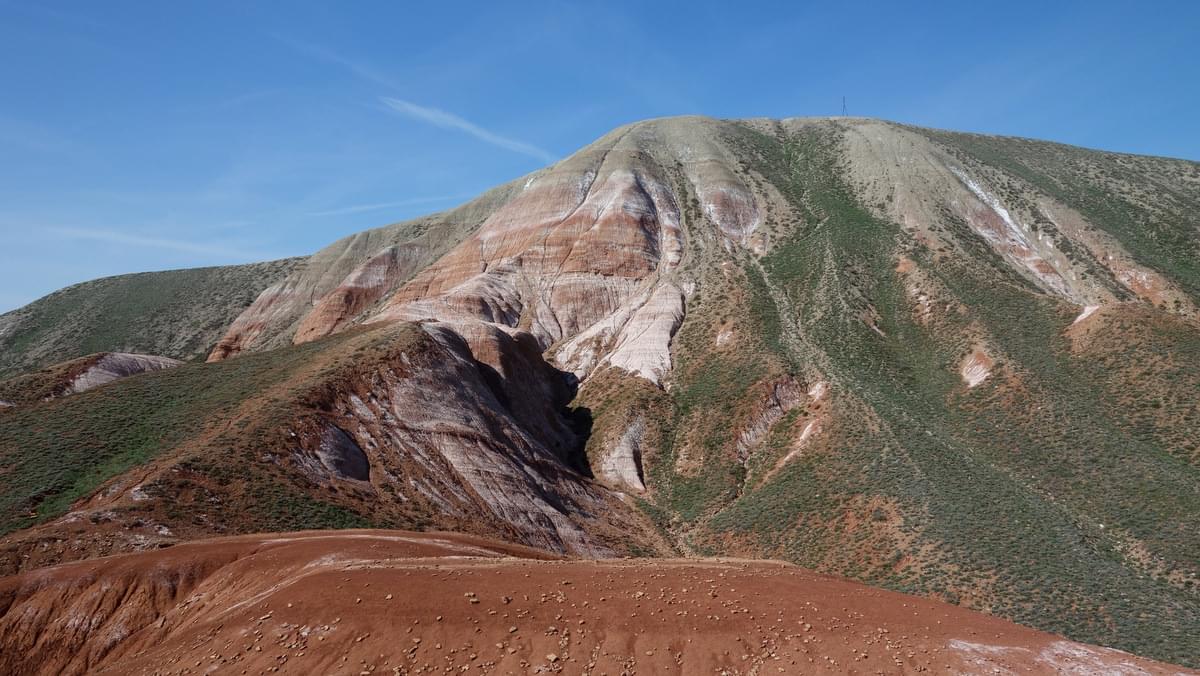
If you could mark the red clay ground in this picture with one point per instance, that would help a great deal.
(394, 602)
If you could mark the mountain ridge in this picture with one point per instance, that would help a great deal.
(815, 339)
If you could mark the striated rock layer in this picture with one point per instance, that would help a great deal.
(949, 363)
(585, 253)
(413, 424)
(333, 286)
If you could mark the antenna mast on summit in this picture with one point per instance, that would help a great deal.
(843, 106)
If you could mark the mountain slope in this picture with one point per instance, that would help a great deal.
(78, 375)
(336, 284)
(177, 313)
(947, 364)
(401, 425)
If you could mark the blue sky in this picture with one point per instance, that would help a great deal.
(153, 135)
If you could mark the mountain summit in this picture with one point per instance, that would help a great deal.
(953, 365)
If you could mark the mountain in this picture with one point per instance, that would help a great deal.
(409, 603)
(177, 313)
(953, 365)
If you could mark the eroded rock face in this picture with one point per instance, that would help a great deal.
(585, 252)
(360, 289)
(334, 285)
(783, 395)
(566, 253)
(1029, 251)
(273, 306)
(476, 424)
(976, 368)
(623, 464)
(341, 455)
(1087, 311)
(531, 389)
(116, 365)
(472, 441)
(636, 337)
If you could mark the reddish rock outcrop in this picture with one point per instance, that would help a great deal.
(361, 289)
(338, 282)
(566, 253)
(586, 255)
(274, 304)
(586, 250)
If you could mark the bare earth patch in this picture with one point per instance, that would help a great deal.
(399, 602)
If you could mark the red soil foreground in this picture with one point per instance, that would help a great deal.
(393, 602)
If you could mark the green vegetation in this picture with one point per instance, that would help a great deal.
(178, 313)
(43, 383)
(1039, 495)
(1144, 202)
(52, 453)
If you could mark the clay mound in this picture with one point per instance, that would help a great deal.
(398, 602)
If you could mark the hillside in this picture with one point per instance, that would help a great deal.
(408, 603)
(951, 365)
(78, 375)
(177, 313)
(308, 437)
(349, 277)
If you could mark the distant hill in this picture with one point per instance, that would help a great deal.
(177, 313)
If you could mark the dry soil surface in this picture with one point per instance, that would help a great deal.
(394, 602)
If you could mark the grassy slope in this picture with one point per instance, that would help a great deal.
(55, 452)
(177, 313)
(1149, 204)
(1031, 497)
(204, 449)
(43, 383)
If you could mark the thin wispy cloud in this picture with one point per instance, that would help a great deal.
(447, 120)
(434, 116)
(114, 237)
(360, 208)
(362, 70)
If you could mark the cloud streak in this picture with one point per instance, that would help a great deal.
(447, 120)
(360, 208)
(113, 237)
(361, 70)
(433, 116)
